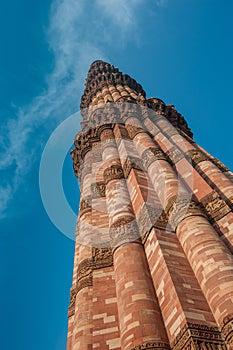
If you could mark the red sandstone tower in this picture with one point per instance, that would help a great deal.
(153, 265)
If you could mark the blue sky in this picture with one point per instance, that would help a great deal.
(180, 51)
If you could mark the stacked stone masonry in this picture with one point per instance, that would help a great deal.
(153, 265)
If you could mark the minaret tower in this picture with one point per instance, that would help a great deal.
(153, 266)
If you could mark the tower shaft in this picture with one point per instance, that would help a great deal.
(153, 266)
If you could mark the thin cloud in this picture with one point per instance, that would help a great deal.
(76, 38)
(121, 12)
(120, 19)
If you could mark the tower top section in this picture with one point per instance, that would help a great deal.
(108, 91)
(102, 74)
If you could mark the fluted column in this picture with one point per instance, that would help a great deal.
(139, 315)
(188, 221)
(227, 172)
(211, 186)
(168, 264)
(82, 281)
(172, 137)
(212, 264)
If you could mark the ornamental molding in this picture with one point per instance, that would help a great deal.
(197, 156)
(198, 337)
(84, 142)
(133, 130)
(171, 114)
(85, 206)
(101, 258)
(152, 346)
(71, 309)
(175, 155)
(215, 206)
(178, 208)
(152, 217)
(227, 330)
(103, 114)
(123, 231)
(132, 163)
(98, 189)
(107, 135)
(84, 269)
(113, 172)
(151, 155)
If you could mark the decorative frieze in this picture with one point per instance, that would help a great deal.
(98, 189)
(227, 330)
(84, 269)
(152, 346)
(199, 337)
(71, 309)
(114, 172)
(102, 114)
(132, 163)
(151, 155)
(124, 231)
(215, 206)
(150, 217)
(157, 105)
(84, 142)
(133, 130)
(175, 155)
(107, 134)
(197, 156)
(101, 257)
(85, 205)
(171, 114)
(179, 208)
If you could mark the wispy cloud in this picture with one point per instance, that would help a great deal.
(76, 36)
(121, 12)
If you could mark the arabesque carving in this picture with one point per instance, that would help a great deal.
(101, 258)
(114, 172)
(123, 231)
(197, 156)
(179, 208)
(98, 189)
(152, 346)
(198, 337)
(132, 163)
(151, 155)
(215, 206)
(227, 330)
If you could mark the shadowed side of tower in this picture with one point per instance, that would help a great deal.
(153, 258)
